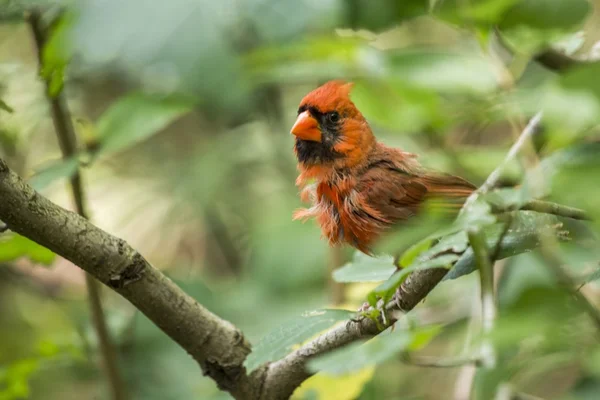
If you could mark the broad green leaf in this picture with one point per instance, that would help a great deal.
(546, 14)
(136, 117)
(444, 71)
(359, 355)
(397, 106)
(411, 254)
(59, 169)
(280, 342)
(583, 79)
(455, 243)
(362, 14)
(573, 175)
(14, 379)
(364, 268)
(571, 43)
(477, 215)
(508, 198)
(480, 12)
(14, 246)
(387, 289)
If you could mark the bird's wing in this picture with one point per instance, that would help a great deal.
(397, 194)
(393, 192)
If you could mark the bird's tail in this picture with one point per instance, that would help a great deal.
(447, 190)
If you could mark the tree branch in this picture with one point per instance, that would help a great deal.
(217, 345)
(67, 139)
(559, 210)
(285, 375)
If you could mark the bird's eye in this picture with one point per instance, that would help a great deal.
(333, 117)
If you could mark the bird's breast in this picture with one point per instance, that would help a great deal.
(341, 215)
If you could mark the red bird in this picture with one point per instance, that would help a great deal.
(361, 187)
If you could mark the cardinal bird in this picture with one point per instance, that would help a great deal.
(359, 188)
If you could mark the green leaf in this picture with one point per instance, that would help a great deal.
(579, 83)
(136, 117)
(546, 14)
(14, 246)
(455, 243)
(571, 43)
(14, 379)
(396, 106)
(481, 12)
(59, 169)
(523, 236)
(362, 14)
(387, 289)
(56, 54)
(359, 355)
(510, 198)
(443, 71)
(280, 342)
(5, 107)
(411, 254)
(364, 268)
(477, 215)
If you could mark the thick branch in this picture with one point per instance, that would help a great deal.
(63, 126)
(285, 375)
(218, 346)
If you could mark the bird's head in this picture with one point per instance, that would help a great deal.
(330, 130)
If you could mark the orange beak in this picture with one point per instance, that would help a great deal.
(306, 127)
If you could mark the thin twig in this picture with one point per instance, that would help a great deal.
(478, 243)
(546, 207)
(65, 132)
(488, 299)
(556, 209)
(498, 246)
(529, 130)
(494, 177)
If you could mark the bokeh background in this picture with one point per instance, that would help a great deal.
(183, 109)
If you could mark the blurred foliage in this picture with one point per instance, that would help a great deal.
(377, 350)
(14, 246)
(279, 342)
(182, 110)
